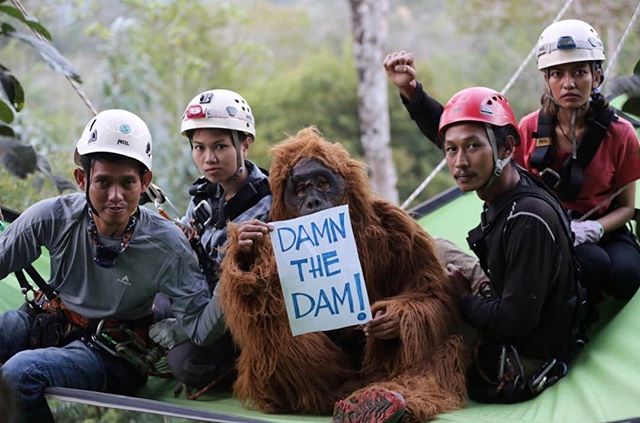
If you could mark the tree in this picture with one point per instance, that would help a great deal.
(21, 159)
(369, 19)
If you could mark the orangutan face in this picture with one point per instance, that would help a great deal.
(312, 187)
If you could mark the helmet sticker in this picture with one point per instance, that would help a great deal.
(232, 110)
(484, 108)
(125, 128)
(206, 98)
(93, 137)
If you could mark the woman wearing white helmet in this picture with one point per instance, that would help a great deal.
(579, 146)
(220, 128)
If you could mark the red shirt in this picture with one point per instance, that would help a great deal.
(615, 164)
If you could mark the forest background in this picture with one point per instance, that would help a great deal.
(293, 60)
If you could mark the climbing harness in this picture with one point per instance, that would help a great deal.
(569, 179)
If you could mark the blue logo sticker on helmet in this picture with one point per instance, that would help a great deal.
(125, 128)
(232, 110)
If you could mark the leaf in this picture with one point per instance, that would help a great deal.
(50, 54)
(63, 184)
(6, 114)
(12, 11)
(632, 105)
(34, 24)
(12, 88)
(6, 28)
(60, 183)
(18, 158)
(6, 131)
(30, 21)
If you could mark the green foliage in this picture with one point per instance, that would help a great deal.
(291, 60)
(18, 158)
(318, 91)
(18, 194)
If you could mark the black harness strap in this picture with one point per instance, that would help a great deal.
(477, 242)
(569, 180)
(248, 196)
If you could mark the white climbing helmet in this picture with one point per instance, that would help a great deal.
(119, 132)
(223, 109)
(568, 41)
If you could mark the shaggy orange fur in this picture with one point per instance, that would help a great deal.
(308, 373)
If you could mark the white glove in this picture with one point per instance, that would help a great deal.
(167, 333)
(587, 231)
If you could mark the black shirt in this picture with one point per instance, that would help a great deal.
(528, 256)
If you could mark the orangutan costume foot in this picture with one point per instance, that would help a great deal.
(376, 405)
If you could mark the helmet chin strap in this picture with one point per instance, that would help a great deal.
(499, 164)
(87, 179)
(239, 159)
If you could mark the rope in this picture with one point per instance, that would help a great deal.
(73, 83)
(423, 185)
(623, 39)
(504, 90)
(527, 59)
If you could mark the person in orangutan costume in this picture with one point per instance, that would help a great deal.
(405, 363)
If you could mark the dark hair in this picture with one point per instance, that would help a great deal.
(502, 132)
(241, 134)
(87, 160)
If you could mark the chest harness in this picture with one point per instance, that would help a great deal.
(55, 325)
(211, 209)
(568, 180)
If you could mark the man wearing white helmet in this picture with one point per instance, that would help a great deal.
(220, 128)
(575, 143)
(109, 258)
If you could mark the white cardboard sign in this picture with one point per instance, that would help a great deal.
(320, 271)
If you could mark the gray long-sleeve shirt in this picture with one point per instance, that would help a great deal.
(157, 259)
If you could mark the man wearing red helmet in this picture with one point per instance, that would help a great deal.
(528, 322)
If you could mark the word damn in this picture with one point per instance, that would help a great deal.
(295, 237)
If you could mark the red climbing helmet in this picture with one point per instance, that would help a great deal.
(477, 104)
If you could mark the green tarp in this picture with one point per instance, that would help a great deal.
(602, 385)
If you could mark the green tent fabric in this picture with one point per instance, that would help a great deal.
(603, 384)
